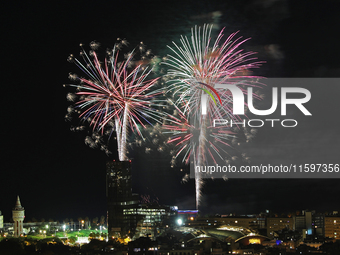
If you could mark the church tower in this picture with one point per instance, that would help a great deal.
(18, 218)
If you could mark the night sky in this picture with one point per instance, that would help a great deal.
(57, 176)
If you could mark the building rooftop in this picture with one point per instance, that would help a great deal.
(18, 205)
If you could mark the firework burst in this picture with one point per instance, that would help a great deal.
(116, 93)
(196, 70)
(185, 136)
(199, 66)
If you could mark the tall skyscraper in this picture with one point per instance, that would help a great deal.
(18, 218)
(119, 197)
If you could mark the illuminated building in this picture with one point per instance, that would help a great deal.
(119, 197)
(142, 246)
(332, 227)
(252, 238)
(303, 223)
(188, 214)
(150, 218)
(261, 222)
(319, 224)
(207, 222)
(1, 221)
(125, 215)
(308, 221)
(18, 218)
(276, 224)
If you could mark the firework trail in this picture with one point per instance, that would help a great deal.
(186, 137)
(116, 93)
(196, 68)
(189, 141)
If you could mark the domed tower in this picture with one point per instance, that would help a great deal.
(18, 218)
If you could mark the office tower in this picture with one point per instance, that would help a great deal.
(119, 197)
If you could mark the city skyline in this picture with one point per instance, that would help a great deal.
(57, 175)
